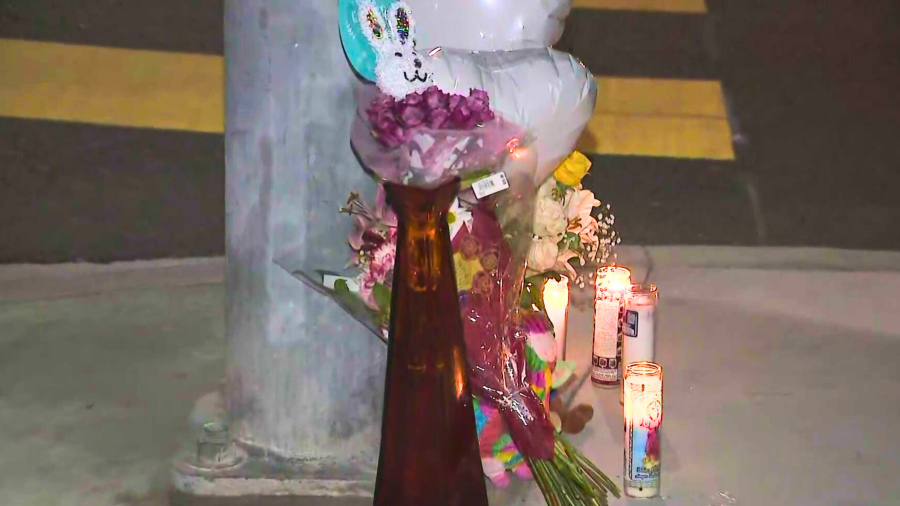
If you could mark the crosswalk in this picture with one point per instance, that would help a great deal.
(661, 137)
(182, 91)
(656, 117)
(660, 118)
(651, 104)
(112, 86)
(681, 118)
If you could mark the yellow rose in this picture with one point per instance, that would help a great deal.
(573, 169)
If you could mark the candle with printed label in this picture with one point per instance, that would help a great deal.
(611, 289)
(643, 420)
(639, 325)
(556, 301)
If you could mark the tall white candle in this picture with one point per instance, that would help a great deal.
(556, 301)
(639, 328)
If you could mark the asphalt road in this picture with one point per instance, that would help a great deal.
(811, 89)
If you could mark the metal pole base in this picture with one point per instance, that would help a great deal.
(245, 470)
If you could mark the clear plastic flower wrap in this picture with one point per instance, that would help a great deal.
(490, 256)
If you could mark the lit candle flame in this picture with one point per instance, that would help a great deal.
(614, 278)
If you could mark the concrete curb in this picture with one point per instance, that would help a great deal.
(23, 282)
(775, 258)
(643, 260)
(27, 282)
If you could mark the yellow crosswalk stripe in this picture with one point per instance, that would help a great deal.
(686, 6)
(661, 97)
(671, 137)
(659, 117)
(177, 91)
(121, 87)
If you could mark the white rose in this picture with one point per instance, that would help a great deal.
(546, 189)
(549, 219)
(542, 255)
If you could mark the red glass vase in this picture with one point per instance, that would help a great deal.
(429, 446)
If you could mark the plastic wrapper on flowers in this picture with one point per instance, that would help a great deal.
(489, 256)
(429, 137)
(425, 139)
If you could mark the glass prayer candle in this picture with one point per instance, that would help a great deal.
(643, 419)
(639, 325)
(611, 289)
(556, 301)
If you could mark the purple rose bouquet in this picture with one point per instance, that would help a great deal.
(429, 137)
(395, 121)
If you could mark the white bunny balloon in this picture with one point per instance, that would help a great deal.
(547, 92)
(399, 70)
(490, 25)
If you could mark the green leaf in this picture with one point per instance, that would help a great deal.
(560, 192)
(532, 293)
(341, 286)
(383, 318)
(351, 301)
(572, 241)
(526, 300)
(555, 276)
(382, 296)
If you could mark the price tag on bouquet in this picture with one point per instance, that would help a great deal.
(490, 185)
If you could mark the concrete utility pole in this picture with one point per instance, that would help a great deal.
(305, 381)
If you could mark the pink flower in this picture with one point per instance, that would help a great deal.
(462, 116)
(394, 121)
(388, 132)
(436, 99)
(371, 227)
(383, 103)
(479, 99)
(366, 285)
(480, 105)
(411, 110)
(383, 211)
(413, 99)
(411, 115)
(379, 269)
(437, 118)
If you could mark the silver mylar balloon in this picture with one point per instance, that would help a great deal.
(489, 25)
(549, 93)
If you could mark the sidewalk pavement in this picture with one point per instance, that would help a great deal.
(782, 386)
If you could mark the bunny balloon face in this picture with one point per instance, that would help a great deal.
(399, 70)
